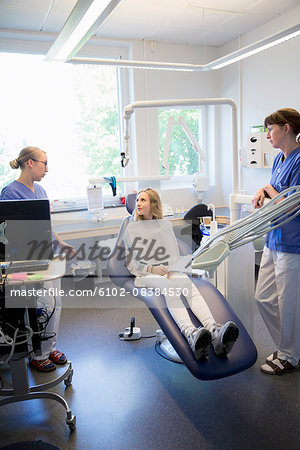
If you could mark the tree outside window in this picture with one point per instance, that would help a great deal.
(68, 110)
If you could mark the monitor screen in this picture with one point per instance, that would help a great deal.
(25, 230)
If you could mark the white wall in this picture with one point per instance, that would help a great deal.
(260, 85)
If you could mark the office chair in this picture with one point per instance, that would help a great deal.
(192, 217)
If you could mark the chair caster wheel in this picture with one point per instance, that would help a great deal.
(68, 380)
(71, 423)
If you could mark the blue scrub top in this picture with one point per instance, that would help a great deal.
(284, 175)
(18, 191)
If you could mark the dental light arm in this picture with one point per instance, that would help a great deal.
(165, 158)
(280, 210)
(129, 110)
(191, 138)
(189, 135)
(126, 137)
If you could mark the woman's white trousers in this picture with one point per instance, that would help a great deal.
(48, 302)
(278, 296)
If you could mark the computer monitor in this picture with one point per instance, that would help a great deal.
(25, 230)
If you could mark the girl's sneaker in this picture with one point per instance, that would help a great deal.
(226, 338)
(199, 342)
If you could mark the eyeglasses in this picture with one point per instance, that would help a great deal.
(38, 160)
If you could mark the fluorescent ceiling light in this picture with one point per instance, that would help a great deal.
(128, 64)
(87, 16)
(257, 47)
(84, 20)
(231, 58)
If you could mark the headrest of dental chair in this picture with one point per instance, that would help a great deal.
(130, 202)
(199, 210)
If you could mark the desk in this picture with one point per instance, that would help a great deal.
(77, 229)
(21, 389)
(56, 269)
(87, 227)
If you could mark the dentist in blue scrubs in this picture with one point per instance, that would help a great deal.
(34, 165)
(278, 285)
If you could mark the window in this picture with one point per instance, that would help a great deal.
(68, 110)
(183, 160)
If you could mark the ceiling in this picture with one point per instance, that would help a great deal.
(195, 22)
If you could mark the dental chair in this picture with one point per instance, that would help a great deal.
(243, 354)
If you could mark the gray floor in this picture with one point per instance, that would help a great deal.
(125, 395)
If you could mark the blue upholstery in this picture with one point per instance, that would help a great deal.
(243, 354)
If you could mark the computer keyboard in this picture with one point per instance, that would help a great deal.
(25, 266)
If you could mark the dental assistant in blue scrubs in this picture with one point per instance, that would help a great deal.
(34, 165)
(278, 285)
